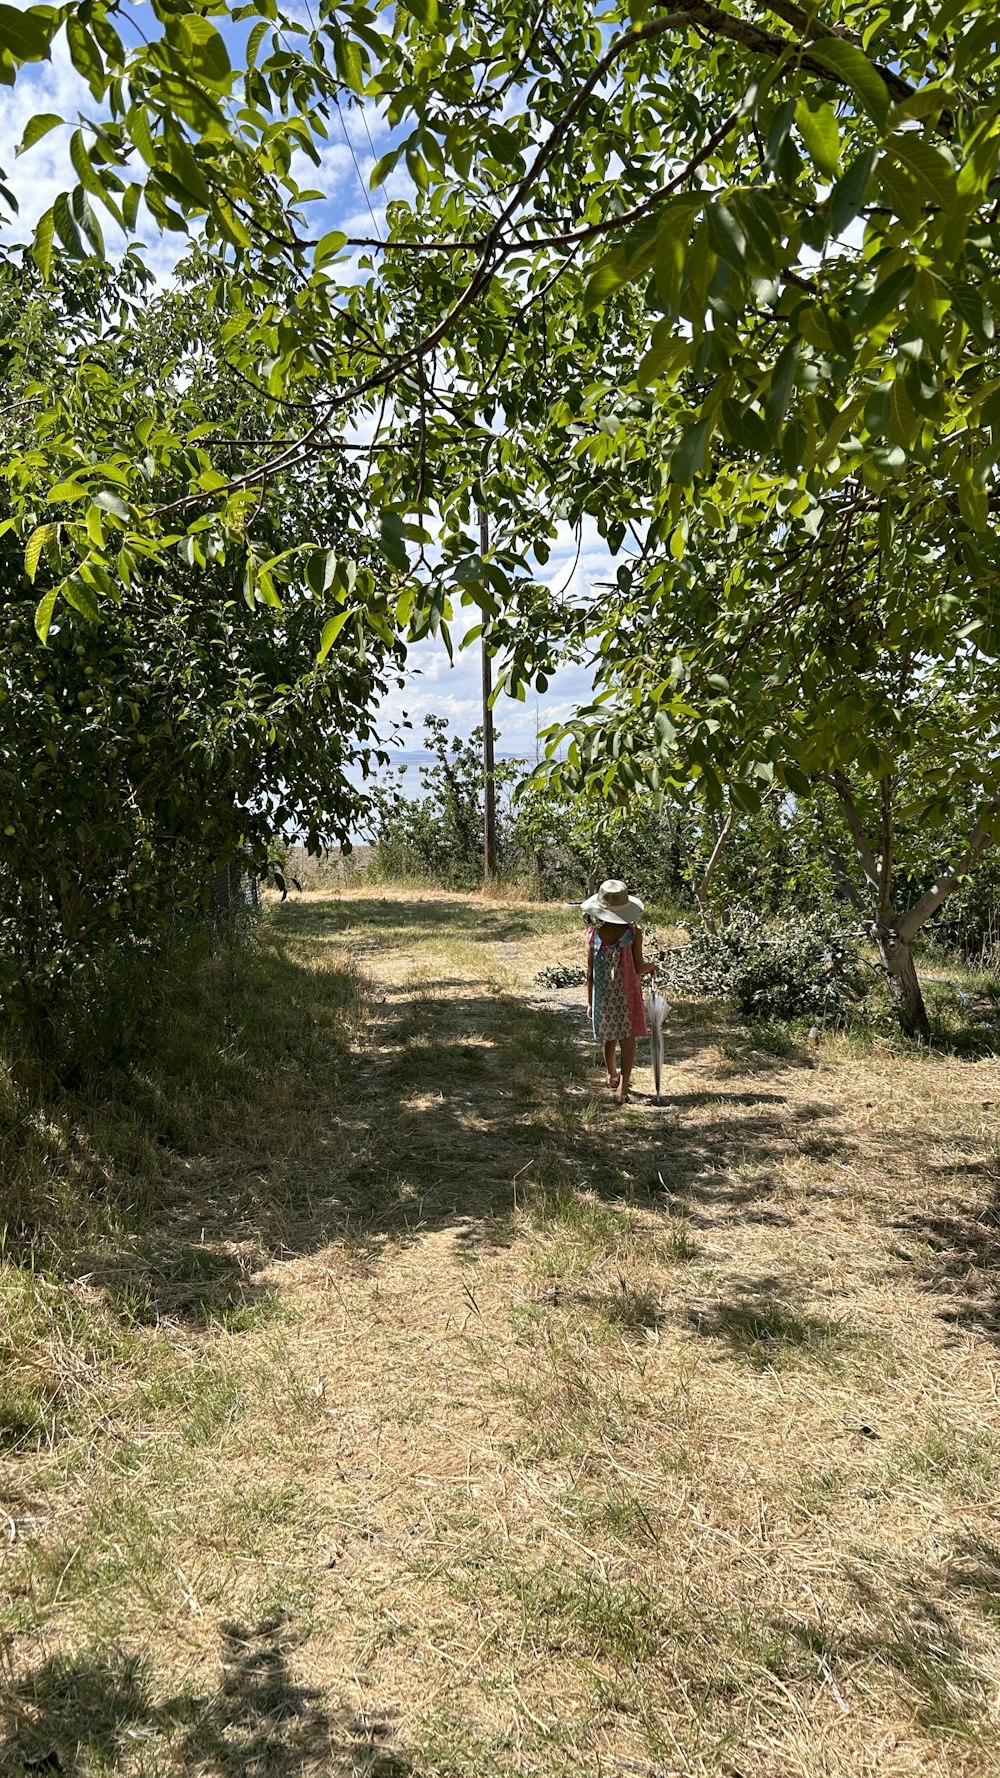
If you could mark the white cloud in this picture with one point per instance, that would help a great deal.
(45, 170)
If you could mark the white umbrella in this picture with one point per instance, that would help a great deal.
(657, 1010)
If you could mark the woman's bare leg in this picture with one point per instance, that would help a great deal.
(609, 1063)
(628, 1058)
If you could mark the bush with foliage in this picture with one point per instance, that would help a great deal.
(179, 723)
(792, 968)
(566, 845)
(438, 836)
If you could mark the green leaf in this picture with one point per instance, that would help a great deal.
(43, 613)
(796, 780)
(852, 66)
(137, 124)
(609, 275)
(130, 205)
(726, 236)
(108, 501)
(779, 394)
(204, 50)
(66, 228)
(979, 37)
(383, 167)
(974, 310)
(347, 56)
(391, 530)
(85, 55)
(688, 459)
(67, 491)
(328, 248)
(905, 425)
(82, 165)
(849, 193)
(41, 246)
(974, 504)
(926, 163)
(331, 630)
(86, 220)
(778, 134)
(321, 568)
(40, 536)
(673, 238)
(889, 295)
(37, 127)
(82, 598)
(817, 123)
(27, 35)
(416, 166)
(185, 170)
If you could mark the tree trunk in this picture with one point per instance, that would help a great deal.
(702, 885)
(904, 987)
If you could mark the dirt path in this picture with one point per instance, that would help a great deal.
(578, 1441)
(651, 1430)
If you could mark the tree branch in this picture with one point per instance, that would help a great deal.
(979, 839)
(492, 249)
(770, 43)
(862, 844)
(701, 887)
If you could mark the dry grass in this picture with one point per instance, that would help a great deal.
(432, 1417)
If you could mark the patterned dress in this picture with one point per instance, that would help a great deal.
(618, 1009)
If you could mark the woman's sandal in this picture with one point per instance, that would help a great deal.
(623, 1098)
(613, 1083)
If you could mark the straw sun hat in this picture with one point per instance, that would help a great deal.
(612, 905)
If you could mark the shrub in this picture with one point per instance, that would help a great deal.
(568, 844)
(439, 836)
(793, 968)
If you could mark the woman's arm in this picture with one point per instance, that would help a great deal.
(590, 973)
(641, 968)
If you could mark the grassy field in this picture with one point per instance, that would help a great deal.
(380, 1400)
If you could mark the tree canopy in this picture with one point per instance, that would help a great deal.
(174, 727)
(720, 277)
(769, 232)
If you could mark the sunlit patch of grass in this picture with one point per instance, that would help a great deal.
(572, 1211)
(966, 1462)
(571, 1608)
(633, 1309)
(60, 1352)
(951, 1692)
(628, 1519)
(675, 1245)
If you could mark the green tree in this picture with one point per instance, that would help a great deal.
(845, 656)
(773, 231)
(439, 834)
(723, 280)
(180, 725)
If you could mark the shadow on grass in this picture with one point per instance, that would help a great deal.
(766, 1332)
(276, 1110)
(910, 1633)
(375, 919)
(958, 1252)
(97, 1712)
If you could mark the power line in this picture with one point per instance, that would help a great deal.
(357, 169)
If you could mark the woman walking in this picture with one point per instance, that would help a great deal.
(614, 978)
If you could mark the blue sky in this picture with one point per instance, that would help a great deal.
(434, 684)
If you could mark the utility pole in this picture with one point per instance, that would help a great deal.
(489, 781)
